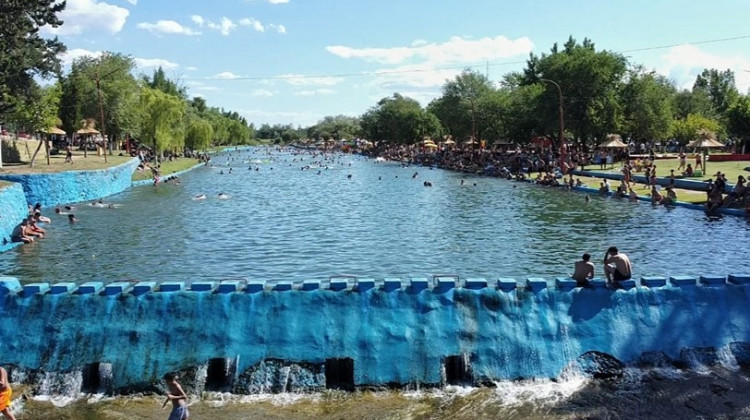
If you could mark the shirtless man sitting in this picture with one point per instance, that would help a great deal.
(616, 266)
(21, 234)
(584, 271)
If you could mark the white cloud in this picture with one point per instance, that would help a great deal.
(89, 16)
(683, 63)
(155, 62)
(456, 50)
(69, 56)
(198, 20)
(300, 80)
(167, 27)
(261, 93)
(278, 1)
(191, 68)
(226, 75)
(279, 28)
(225, 26)
(314, 92)
(133, 2)
(253, 23)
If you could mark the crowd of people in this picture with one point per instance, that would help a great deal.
(30, 229)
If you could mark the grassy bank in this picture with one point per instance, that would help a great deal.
(26, 149)
(167, 168)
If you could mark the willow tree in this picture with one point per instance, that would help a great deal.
(161, 119)
(199, 134)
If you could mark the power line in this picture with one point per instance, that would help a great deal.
(469, 66)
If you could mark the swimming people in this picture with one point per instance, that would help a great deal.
(200, 197)
(222, 196)
(72, 219)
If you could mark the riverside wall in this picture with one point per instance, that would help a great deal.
(252, 337)
(13, 209)
(52, 189)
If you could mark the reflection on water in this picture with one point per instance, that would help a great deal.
(283, 223)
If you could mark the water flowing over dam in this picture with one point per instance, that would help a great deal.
(350, 333)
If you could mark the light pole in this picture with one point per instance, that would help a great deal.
(561, 134)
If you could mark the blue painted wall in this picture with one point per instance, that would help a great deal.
(393, 337)
(74, 186)
(13, 209)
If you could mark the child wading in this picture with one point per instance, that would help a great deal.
(177, 396)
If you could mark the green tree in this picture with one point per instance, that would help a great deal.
(686, 130)
(161, 120)
(399, 119)
(647, 100)
(199, 134)
(23, 53)
(459, 108)
(38, 113)
(720, 88)
(161, 82)
(738, 117)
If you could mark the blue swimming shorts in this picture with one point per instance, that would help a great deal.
(179, 412)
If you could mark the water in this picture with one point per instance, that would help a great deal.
(283, 223)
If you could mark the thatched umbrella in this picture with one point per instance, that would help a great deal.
(449, 142)
(613, 141)
(706, 140)
(55, 130)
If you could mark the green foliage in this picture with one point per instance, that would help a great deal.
(10, 152)
(23, 53)
(161, 120)
(647, 106)
(719, 87)
(339, 127)
(199, 134)
(686, 130)
(738, 117)
(399, 119)
(160, 81)
(38, 112)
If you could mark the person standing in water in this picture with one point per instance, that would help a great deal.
(177, 396)
(5, 394)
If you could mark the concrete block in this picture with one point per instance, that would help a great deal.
(475, 283)
(391, 284)
(116, 288)
(713, 280)
(143, 287)
(628, 284)
(90, 288)
(653, 281)
(338, 285)
(363, 285)
(255, 286)
(203, 286)
(739, 278)
(62, 288)
(444, 283)
(417, 284)
(507, 284)
(282, 286)
(598, 283)
(565, 283)
(681, 281)
(35, 288)
(310, 285)
(536, 283)
(172, 286)
(9, 285)
(229, 286)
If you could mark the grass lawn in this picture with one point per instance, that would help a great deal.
(167, 168)
(57, 162)
(731, 169)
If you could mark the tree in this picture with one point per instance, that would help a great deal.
(647, 100)
(199, 134)
(161, 117)
(459, 105)
(686, 130)
(23, 53)
(161, 82)
(399, 119)
(738, 117)
(38, 112)
(720, 88)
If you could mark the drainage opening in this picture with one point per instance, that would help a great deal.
(458, 370)
(96, 378)
(219, 375)
(340, 374)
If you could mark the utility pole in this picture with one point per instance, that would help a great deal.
(561, 134)
(101, 113)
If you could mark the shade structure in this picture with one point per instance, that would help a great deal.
(427, 140)
(470, 141)
(55, 130)
(614, 143)
(87, 130)
(449, 142)
(430, 145)
(705, 143)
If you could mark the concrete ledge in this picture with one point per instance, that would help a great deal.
(363, 285)
(172, 286)
(35, 288)
(653, 281)
(144, 287)
(116, 288)
(391, 284)
(713, 280)
(90, 288)
(598, 283)
(475, 284)
(282, 286)
(417, 284)
(565, 283)
(255, 286)
(310, 285)
(739, 278)
(229, 286)
(507, 284)
(681, 281)
(338, 285)
(536, 284)
(628, 284)
(62, 288)
(203, 286)
(445, 283)
(9, 285)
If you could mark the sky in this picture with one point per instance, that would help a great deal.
(298, 61)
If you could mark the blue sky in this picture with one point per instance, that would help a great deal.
(297, 61)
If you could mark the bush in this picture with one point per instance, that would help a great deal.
(10, 152)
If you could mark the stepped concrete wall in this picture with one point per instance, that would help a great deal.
(13, 209)
(362, 333)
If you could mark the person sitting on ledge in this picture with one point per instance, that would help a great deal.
(21, 234)
(688, 171)
(33, 229)
(671, 198)
(656, 198)
(617, 267)
(584, 271)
